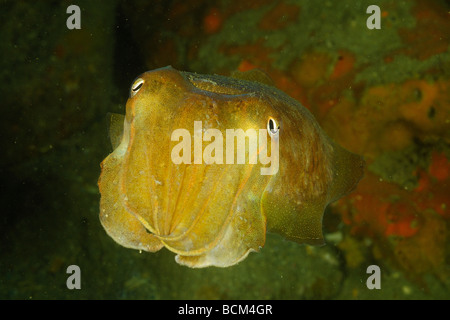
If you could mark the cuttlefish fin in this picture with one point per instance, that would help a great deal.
(115, 130)
(348, 169)
(255, 75)
(300, 222)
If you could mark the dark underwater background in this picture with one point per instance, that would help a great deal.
(382, 93)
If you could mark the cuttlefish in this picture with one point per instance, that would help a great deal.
(204, 165)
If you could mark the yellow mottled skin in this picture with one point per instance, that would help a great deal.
(216, 214)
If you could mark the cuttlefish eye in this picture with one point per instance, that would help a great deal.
(136, 86)
(272, 126)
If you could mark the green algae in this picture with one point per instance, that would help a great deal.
(400, 167)
(403, 68)
(239, 29)
(329, 26)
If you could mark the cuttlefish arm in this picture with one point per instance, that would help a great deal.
(120, 225)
